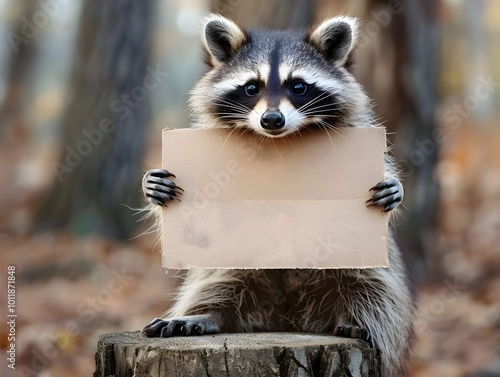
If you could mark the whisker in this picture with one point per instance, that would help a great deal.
(314, 110)
(313, 101)
(327, 126)
(227, 138)
(235, 115)
(233, 103)
(331, 140)
(235, 109)
(333, 105)
(321, 115)
(287, 137)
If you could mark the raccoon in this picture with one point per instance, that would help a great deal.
(278, 83)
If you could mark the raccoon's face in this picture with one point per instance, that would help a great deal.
(276, 83)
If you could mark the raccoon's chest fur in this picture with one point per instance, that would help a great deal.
(288, 300)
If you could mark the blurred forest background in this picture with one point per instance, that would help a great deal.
(87, 86)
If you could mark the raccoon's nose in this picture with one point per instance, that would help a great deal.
(272, 120)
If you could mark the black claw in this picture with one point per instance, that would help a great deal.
(385, 184)
(364, 334)
(384, 194)
(161, 195)
(158, 189)
(163, 186)
(354, 332)
(392, 205)
(161, 173)
(163, 332)
(200, 329)
(155, 321)
(348, 331)
(160, 327)
(389, 195)
(157, 201)
(192, 325)
(170, 329)
(186, 329)
(394, 198)
(152, 327)
(378, 186)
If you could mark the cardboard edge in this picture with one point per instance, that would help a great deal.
(270, 268)
(384, 133)
(167, 269)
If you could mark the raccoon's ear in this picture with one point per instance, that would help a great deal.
(221, 39)
(334, 38)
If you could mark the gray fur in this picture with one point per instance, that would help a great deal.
(378, 300)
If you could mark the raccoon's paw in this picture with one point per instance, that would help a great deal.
(354, 332)
(158, 189)
(181, 326)
(389, 194)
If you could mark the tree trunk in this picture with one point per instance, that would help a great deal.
(235, 355)
(104, 125)
(22, 49)
(416, 144)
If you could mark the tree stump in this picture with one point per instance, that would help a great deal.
(235, 355)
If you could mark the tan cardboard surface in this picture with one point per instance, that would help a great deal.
(296, 202)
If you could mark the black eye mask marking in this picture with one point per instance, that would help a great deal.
(236, 104)
(308, 99)
(311, 101)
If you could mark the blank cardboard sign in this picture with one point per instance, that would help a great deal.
(294, 202)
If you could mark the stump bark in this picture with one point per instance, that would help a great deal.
(235, 355)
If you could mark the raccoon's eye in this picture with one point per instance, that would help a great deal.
(251, 89)
(299, 88)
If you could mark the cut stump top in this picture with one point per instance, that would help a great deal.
(257, 354)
